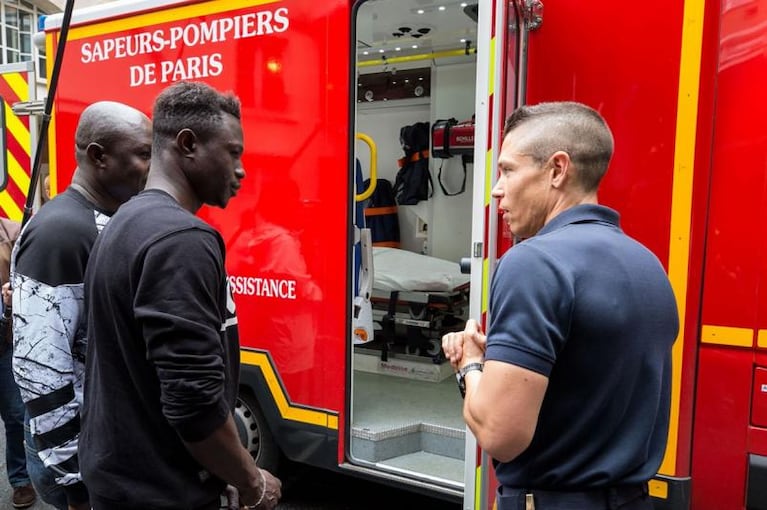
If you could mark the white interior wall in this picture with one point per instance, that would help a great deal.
(452, 94)
(447, 219)
(382, 122)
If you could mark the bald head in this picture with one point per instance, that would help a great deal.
(113, 148)
(104, 123)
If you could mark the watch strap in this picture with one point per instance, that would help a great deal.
(471, 366)
(460, 376)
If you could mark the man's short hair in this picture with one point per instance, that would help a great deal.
(192, 105)
(574, 128)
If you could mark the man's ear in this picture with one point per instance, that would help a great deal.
(561, 167)
(96, 153)
(186, 141)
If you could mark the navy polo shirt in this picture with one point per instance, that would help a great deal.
(593, 310)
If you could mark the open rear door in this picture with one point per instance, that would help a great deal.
(503, 26)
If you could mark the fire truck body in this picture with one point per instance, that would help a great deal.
(17, 86)
(679, 85)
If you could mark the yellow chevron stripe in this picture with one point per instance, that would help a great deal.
(9, 207)
(17, 173)
(287, 411)
(18, 84)
(491, 78)
(489, 173)
(123, 24)
(478, 487)
(485, 285)
(18, 129)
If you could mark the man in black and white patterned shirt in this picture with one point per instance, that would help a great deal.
(113, 148)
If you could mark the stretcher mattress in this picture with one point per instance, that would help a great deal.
(402, 270)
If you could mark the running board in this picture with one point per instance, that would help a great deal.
(398, 478)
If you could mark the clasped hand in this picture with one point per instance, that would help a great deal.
(465, 346)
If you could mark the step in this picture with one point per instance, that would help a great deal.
(381, 445)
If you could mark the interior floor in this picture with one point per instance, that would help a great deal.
(409, 425)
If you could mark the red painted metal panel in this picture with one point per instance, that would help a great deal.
(704, 135)
(757, 440)
(288, 224)
(719, 463)
(510, 44)
(734, 271)
(624, 63)
(759, 398)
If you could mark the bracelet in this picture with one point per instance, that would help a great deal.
(263, 492)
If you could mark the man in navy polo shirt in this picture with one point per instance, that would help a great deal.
(569, 391)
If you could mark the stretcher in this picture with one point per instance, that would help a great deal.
(416, 299)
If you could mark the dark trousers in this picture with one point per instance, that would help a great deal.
(12, 413)
(99, 503)
(617, 498)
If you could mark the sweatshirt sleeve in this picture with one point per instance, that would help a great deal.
(177, 306)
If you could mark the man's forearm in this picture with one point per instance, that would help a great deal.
(222, 454)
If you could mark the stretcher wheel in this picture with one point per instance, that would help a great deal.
(435, 347)
(417, 311)
(412, 350)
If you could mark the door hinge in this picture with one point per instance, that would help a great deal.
(532, 11)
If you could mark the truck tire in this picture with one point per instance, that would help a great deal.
(255, 434)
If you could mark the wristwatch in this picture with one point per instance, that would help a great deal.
(460, 376)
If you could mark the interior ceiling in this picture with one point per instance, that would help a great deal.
(391, 24)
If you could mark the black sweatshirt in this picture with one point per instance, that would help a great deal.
(163, 356)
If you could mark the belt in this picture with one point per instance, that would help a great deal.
(612, 498)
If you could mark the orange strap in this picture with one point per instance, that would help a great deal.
(416, 156)
(380, 211)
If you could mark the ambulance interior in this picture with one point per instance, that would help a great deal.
(416, 63)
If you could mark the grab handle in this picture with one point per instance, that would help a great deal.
(373, 173)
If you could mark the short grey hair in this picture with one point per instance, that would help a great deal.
(567, 126)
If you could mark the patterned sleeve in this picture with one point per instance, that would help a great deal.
(48, 363)
(49, 332)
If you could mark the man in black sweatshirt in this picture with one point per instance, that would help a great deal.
(162, 364)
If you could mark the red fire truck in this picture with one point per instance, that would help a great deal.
(341, 362)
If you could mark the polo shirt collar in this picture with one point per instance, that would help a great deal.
(585, 213)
